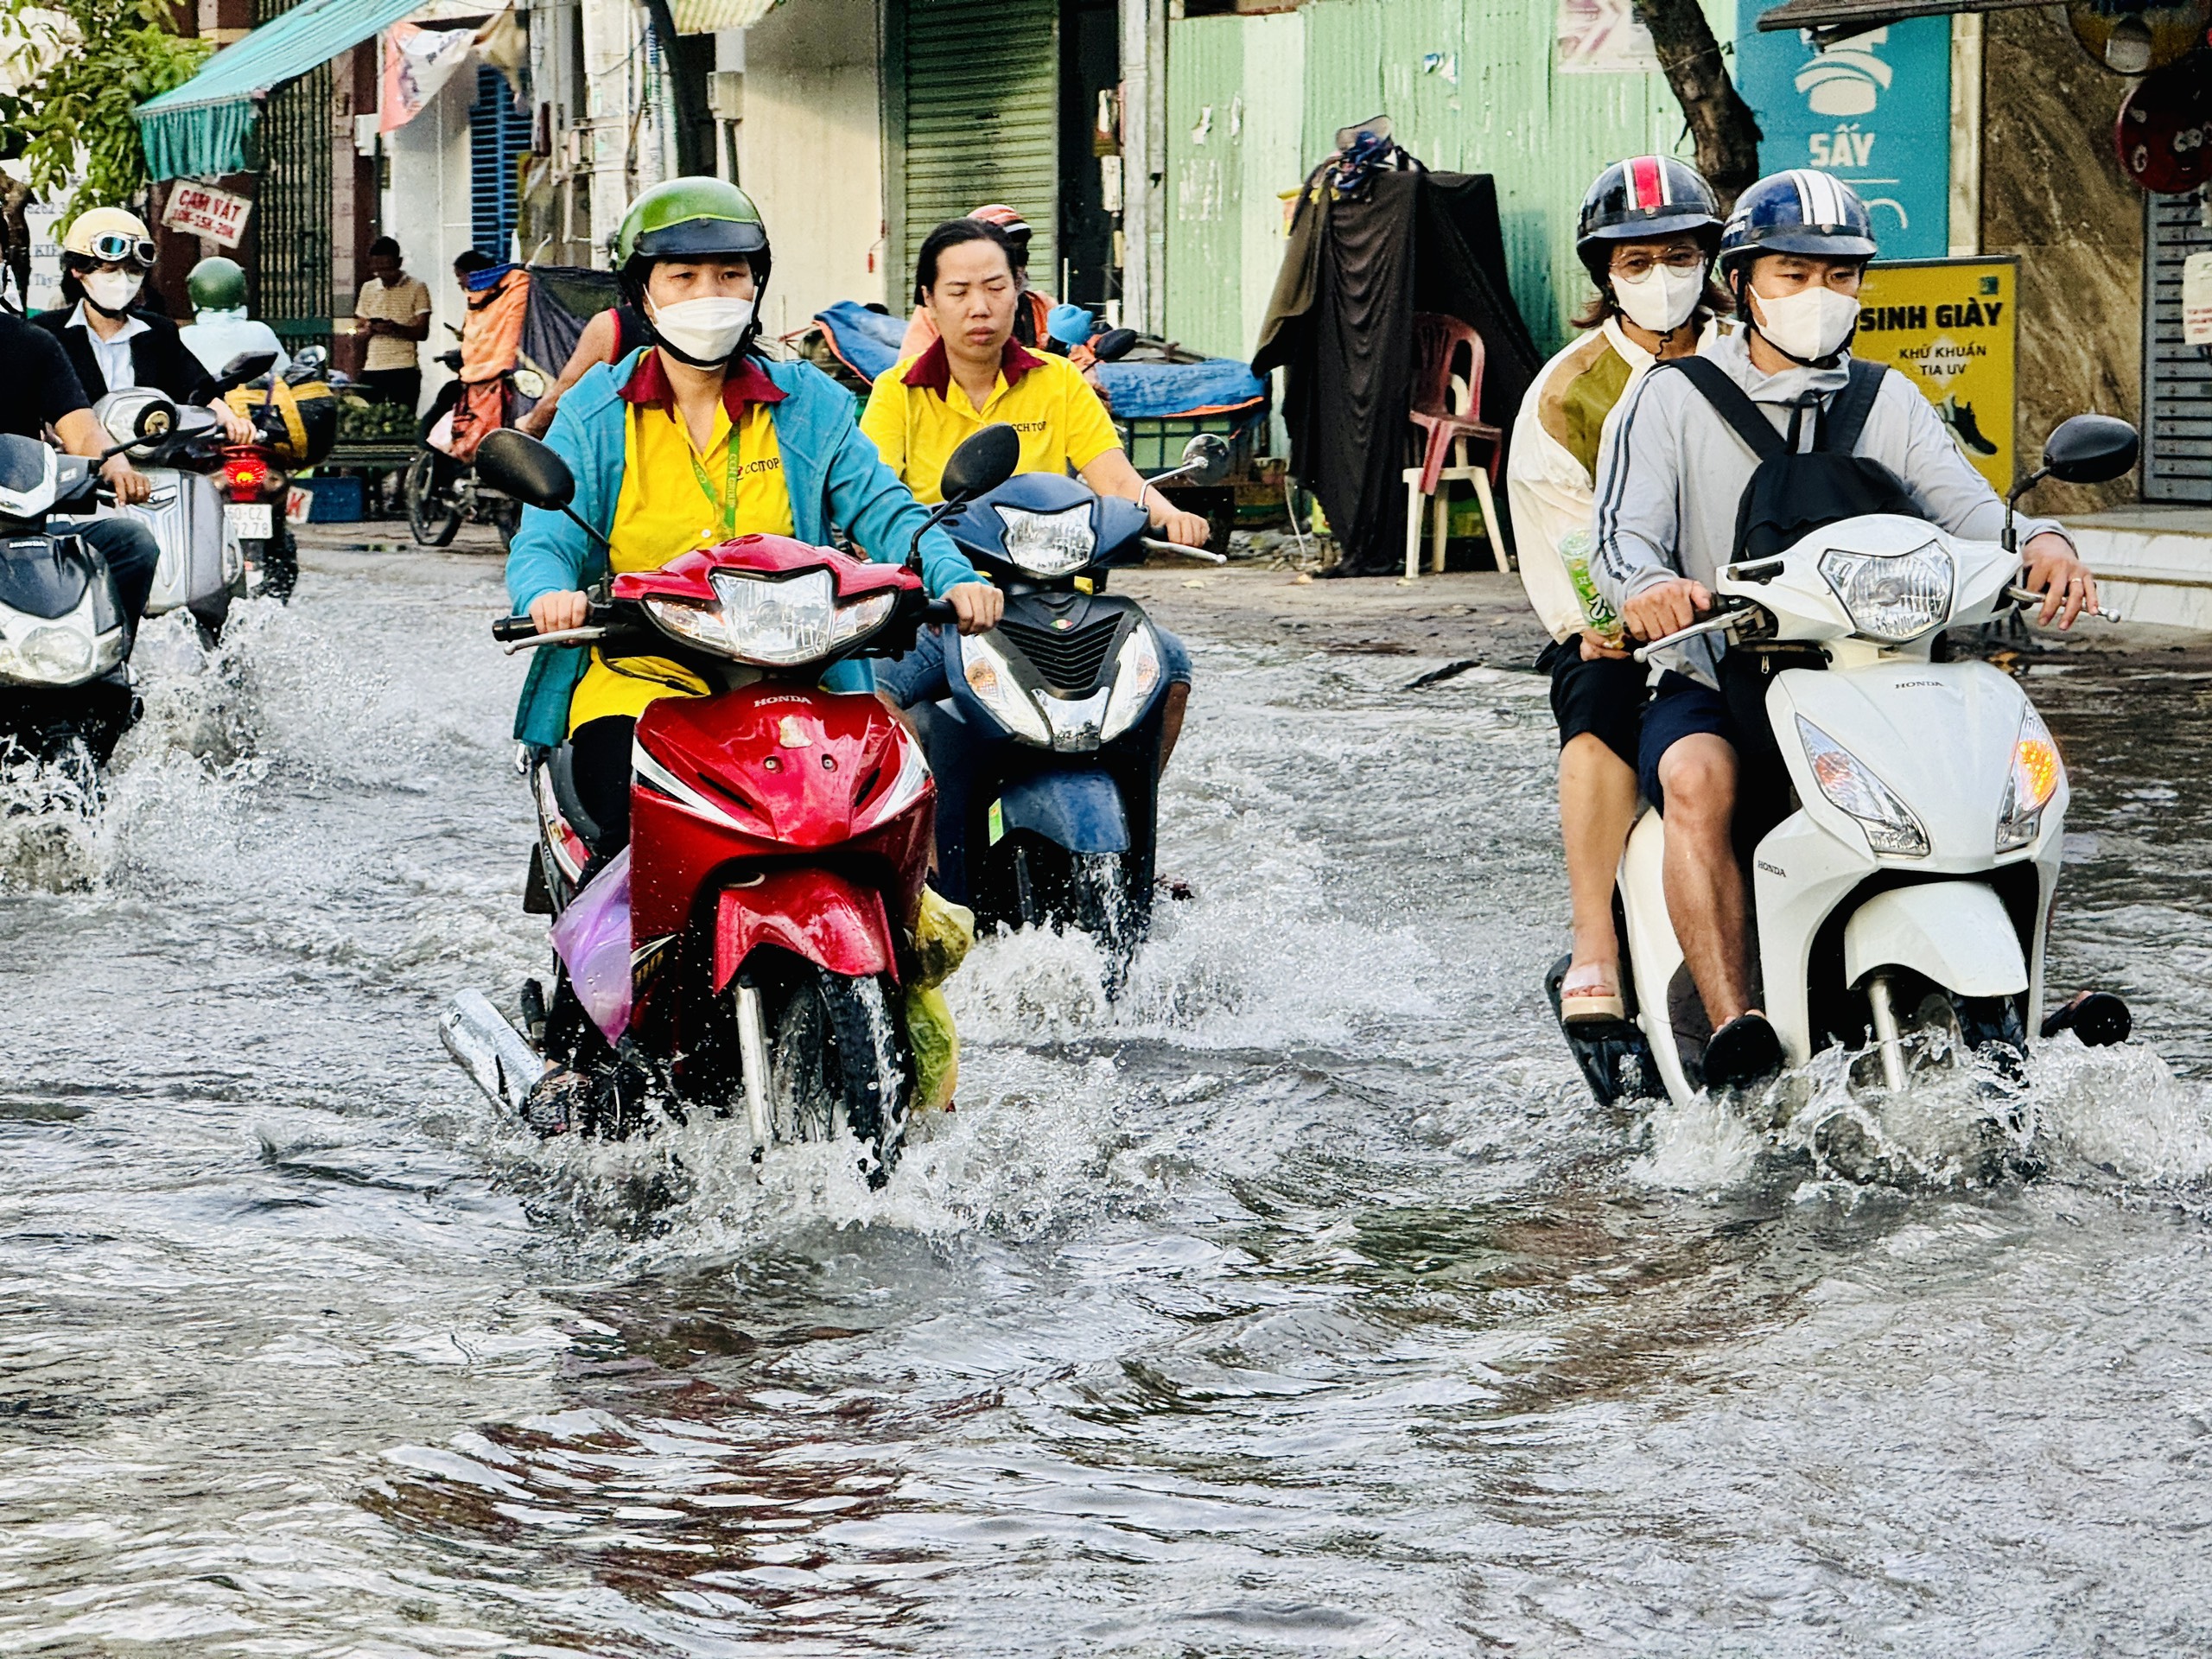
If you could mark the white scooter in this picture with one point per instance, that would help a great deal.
(1902, 908)
(179, 451)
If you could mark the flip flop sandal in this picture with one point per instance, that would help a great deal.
(1744, 1052)
(1595, 1001)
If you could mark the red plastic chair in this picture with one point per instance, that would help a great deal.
(1446, 418)
(1446, 401)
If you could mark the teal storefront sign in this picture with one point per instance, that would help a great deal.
(1874, 110)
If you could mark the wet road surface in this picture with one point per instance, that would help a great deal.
(1303, 1304)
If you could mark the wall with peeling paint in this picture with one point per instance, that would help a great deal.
(1470, 85)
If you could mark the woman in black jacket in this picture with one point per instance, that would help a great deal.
(114, 344)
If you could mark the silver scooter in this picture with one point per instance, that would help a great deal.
(202, 567)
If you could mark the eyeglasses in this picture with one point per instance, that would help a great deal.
(114, 248)
(1637, 263)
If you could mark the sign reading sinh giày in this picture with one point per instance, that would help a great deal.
(1949, 325)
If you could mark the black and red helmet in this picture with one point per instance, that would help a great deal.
(1642, 199)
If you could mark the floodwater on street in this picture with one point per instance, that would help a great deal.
(1303, 1304)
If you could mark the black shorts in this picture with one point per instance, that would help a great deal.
(1603, 696)
(1681, 706)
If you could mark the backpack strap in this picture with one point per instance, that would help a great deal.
(1846, 415)
(1730, 402)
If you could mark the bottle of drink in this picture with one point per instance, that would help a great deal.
(1575, 548)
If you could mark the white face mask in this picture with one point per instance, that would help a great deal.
(1661, 298)
(702, 332)
(1811, 324)
(111, 290)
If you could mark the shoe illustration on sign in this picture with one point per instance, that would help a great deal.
(1848, 79)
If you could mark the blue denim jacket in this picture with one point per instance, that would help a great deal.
(833, 473)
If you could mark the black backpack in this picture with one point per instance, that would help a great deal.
(1791, 494)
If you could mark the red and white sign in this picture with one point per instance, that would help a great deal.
(202, 210)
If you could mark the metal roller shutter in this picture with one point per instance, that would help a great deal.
(498, 137)
(2178, 381)
(981, 92)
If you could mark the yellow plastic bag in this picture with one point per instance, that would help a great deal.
(943, 934)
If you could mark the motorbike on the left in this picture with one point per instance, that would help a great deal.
(65, 693)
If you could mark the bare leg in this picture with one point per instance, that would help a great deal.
(1705, 885)
(1171, 719)
(1596, 804)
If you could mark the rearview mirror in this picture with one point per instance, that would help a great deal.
(982, 462)
(1205, 459)
(245, 367)
(519, 465)
(2091, 449)
(1113, 345)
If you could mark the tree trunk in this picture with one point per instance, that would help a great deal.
(1727, 134)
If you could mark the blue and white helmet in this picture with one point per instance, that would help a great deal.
(1798, 212)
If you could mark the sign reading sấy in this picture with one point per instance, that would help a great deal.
(202, 210)
(1873, 109)
(1950, 326)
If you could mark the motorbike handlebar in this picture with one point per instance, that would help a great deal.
(508, 629)
(1718, 622)
(1152, 546)
(937, 613)
(2029, 600)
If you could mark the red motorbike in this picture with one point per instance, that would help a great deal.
(745, 952)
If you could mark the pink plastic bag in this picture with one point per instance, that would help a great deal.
(593, 937)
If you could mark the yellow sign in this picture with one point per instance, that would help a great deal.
(1951, 326)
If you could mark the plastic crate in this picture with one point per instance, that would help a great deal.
(1155, 443)
(333, 500)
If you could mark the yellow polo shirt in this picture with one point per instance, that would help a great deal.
(676, 499)
(918, 415)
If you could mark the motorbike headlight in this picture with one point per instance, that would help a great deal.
(1893, 597)
(1851, 787)
(1048, 543)
(2036, 773)
(779, 623)
(60, 656)
(1136, 676)
(991, 678)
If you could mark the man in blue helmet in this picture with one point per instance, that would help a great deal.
(1672, 473)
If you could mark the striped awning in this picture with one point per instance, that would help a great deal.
(200, 128)
(708, 17)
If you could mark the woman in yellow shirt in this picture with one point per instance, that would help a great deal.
(974, 374)
(684, 444)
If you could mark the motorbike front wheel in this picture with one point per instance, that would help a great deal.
(839, 1060)
(433, 515)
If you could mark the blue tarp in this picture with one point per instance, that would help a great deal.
(867, 342)
(1158, 391)
(199, 129)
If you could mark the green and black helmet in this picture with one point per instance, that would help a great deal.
(689, 218)
(692, 218)
(217, 284)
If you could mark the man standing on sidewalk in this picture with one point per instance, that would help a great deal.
(394, 312)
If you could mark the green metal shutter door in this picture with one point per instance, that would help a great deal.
(983, 120)
(292, 220)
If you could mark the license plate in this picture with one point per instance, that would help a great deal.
(247, 520)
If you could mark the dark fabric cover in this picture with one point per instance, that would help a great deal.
(1341, 324)
(159, 358)
(562, 299)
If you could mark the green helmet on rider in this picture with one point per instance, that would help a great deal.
(216, 284)
(694, 221)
